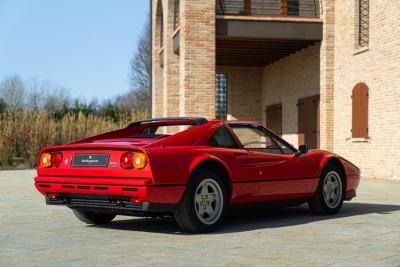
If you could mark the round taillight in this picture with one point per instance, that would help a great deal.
(126, 161)
(56, 158)
(139, 160)
(45, 160)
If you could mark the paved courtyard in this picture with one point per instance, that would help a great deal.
(365, 233)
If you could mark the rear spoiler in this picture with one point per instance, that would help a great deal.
(192, 120)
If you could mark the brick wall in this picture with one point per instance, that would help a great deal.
(327, 110)
(286, 81)
(157, 71)
(171, 69)
(378, 66)
(185, 86)
(244, 92)
(198, 58)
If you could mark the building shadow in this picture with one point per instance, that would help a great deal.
(250, 219)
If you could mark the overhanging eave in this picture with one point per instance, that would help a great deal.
(262, 42)
(269, 29)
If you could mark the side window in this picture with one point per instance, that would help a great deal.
(284, 148)
(255, 139)
(223, 138)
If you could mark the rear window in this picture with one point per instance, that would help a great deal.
(164, 129)
(223, 138)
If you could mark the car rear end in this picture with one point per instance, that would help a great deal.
(113, 178)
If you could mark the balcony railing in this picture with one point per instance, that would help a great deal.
(284, 8)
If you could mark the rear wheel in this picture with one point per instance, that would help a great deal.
(90, 217)
(328, 198)
(203, 204)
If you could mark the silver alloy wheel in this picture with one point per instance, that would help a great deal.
(208, 201)
(332, 189)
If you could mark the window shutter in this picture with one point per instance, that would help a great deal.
(273, 115)
(301, 122)
(360, 111)
(308, 121)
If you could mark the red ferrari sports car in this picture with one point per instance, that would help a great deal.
(192, 168)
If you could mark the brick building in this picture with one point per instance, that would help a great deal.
(321, 72)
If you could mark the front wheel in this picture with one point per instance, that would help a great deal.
(90, 217)
(328, 198)
(203, 204)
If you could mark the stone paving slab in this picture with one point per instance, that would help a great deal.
(365, 233)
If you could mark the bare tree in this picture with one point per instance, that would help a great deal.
(141, 66)
(138, 96)
(12, 91)
(46, 94)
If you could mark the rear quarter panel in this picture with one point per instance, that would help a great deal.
(173, 165)
(351, 172)
(353, 175)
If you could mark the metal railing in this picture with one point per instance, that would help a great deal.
(363, 23)
(177, 5)
(285, 8)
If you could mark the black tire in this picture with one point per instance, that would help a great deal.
(185, 212)
(90, 217)
(318, 204)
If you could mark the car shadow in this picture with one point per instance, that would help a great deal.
(242, 221)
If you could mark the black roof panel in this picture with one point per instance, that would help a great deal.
(197, 120)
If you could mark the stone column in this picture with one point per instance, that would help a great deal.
(197, 59)
(327, 76)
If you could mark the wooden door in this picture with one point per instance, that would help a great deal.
(308, 121)
(273, 118)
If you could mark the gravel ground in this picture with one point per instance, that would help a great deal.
(365, 233)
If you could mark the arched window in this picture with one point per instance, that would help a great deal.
(360, 111)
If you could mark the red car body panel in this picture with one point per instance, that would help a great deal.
(252, 176)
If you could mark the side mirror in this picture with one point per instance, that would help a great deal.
(303, 149)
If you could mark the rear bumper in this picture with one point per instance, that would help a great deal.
(111, 195)
(106, 203)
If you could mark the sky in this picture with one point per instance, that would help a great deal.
(82, 45)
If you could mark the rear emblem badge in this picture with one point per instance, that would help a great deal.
(113, 164)
(66, 162)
